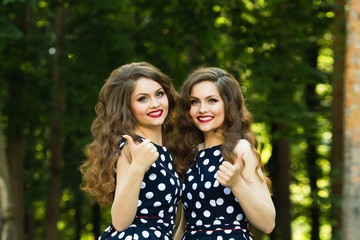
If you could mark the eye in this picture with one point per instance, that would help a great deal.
(213, 100)
(142, 99)
(193, 102)
(161, 93)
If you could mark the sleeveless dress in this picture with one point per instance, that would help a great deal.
(158, 200)
(211, 210)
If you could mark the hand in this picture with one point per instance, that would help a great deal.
(228, 174)
(143, 155)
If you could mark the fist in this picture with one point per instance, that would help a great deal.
(228, 174)
(142, 155)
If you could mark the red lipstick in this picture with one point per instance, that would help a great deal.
(155, 114)
(205, 118)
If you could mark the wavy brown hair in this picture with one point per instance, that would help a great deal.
(114, 119)
(236, 124)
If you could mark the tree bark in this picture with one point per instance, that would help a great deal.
(15, 129)
(96, 220)
(7, 224)
(279, 165)
(351, 187)
(337, 158)
(15, 153)
(78, 215)
(57, 137)
(314, 173)
(30, 222)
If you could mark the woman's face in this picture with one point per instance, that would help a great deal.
(149, 104)
(207, 109)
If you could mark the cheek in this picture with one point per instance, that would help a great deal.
(221, 113)
(192, 112)
(136, 109)
(221, 110)
(166, 103)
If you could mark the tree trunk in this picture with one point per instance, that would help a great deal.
(279, 166)
(351, 187)
(7, 224)
(15, 153)
(78, 215)
(15, 129)
(30, 222)
(337, 158)
(314, 173)
(311, 133)
(96, 220)
(57, 137)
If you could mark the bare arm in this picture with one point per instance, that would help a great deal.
(252, 192)
(129, 177)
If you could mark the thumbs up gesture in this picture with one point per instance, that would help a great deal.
(143, 155)
(229, 174)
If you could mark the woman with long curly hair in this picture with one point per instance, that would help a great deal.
(128, 163)
(224, 186)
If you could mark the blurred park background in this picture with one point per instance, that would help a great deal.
(289, 56)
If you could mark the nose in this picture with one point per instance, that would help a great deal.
(154, 103)
(202, 108)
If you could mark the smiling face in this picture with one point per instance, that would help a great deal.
(207, 109)
(149, 104)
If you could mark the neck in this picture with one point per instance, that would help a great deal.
(154, 134)
(213, 139)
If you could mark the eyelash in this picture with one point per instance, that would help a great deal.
(159, 94)
(210, 101)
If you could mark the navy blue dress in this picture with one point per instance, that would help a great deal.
(158, 200)
(211, 210)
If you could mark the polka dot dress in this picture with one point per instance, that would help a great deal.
(211, 210)
(158, 200)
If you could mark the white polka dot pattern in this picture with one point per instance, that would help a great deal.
(159, 197)
(211, 210)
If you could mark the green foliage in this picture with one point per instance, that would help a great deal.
(9, 30)
(278, 50)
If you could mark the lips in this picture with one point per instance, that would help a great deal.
(205, 119)
(155, 114)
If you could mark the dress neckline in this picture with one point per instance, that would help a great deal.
(203, 149)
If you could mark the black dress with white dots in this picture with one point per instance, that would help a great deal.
(158, 200)
(211, 210)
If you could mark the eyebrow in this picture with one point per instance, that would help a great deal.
(210, 96)
(148, 93)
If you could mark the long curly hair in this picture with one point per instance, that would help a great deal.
(114, 118)
(236, 124)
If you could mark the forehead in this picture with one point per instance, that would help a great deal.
(145, 85)
(204, 88)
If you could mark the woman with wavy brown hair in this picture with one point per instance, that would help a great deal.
(224, 187)
(128, 163)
